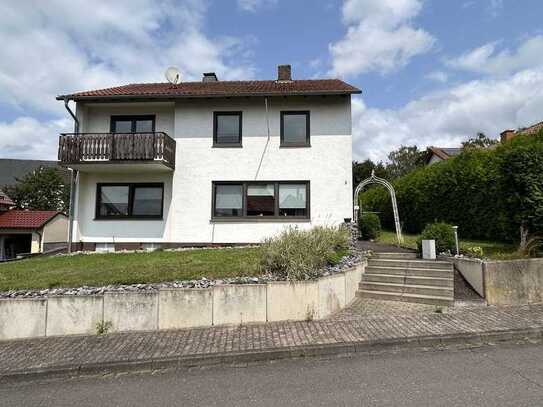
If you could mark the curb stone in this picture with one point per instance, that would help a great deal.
(296, 352)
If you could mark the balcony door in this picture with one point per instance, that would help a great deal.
(133, 137)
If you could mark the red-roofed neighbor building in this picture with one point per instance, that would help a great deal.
(437, 154)
(24, 231)
(507, 135)
(5, 202)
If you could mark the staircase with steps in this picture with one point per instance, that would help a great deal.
(403, 277)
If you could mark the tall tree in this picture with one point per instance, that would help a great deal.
(481, 140)
(404, 160)
(42, 189)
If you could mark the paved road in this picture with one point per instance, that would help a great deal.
(505, 375)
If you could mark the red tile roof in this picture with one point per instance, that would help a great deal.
(442, 152)
(22, 219)
(532, 129)
(219, 89)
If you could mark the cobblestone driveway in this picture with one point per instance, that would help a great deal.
(25, 355)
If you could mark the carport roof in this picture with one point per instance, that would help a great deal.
(26, 219)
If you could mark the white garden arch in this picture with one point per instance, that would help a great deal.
(373, 179)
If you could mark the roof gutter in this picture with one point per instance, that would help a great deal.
(211, 95)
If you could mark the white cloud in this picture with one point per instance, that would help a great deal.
(26, 137)
(255, 5)
(488, 60)
(379, 37)
(54, 47)
(438, 76)
(448, 117)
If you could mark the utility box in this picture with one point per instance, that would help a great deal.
(429, 249)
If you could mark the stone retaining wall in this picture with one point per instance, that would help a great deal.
(514, 282)
(178, 308)
(510, 282)
(472, 270)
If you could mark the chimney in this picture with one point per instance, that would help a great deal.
(507, 135)
(283, 73)
(209, 77)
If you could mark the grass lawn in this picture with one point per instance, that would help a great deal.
(127, 268)
(491, 250)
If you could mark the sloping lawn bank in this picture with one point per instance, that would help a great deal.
(127, 268)
(491, 250)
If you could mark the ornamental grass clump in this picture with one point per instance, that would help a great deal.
(302, 254)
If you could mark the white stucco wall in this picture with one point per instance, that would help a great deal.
(56, 230)
(187, 199)
(90, 230)
(435, 159)
(96, 118)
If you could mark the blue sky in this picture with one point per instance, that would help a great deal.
(433, 72)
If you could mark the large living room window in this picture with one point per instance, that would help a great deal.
(133, 124)
(227, 129)
(256, 200)
(295, 129)
(129, 201)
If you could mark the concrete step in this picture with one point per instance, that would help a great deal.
(426, 264)
(422, 299)
(430, 290)
(407, 279)
(394, 256)
(412, 271)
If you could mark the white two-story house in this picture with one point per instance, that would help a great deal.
(210, 162)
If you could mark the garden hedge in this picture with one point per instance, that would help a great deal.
(488, 193)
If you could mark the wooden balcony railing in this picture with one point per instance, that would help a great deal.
(74, 148)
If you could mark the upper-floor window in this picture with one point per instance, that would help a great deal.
(133, 124)
(133, 200)
(227, 129)
(295, 129)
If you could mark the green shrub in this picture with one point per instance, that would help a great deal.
(369, 226)
(300, 254)
(488, 193)
(442, 233)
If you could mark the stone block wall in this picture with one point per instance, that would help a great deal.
(179, 308)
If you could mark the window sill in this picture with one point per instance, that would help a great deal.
(128, 218)
(294, 145)
(227, 146)
(260, 219)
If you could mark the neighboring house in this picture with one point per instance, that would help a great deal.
(211, 162)
(23, 232)
(5, 202)
(507, 135)
(438, 154)
(11, 169)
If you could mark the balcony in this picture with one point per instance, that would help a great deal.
(81, 150)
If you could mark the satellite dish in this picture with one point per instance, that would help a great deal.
(173, 75)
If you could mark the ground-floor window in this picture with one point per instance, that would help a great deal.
(260, 199)
(129, 200)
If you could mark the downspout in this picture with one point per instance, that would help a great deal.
(73, 179)
(266, 105)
